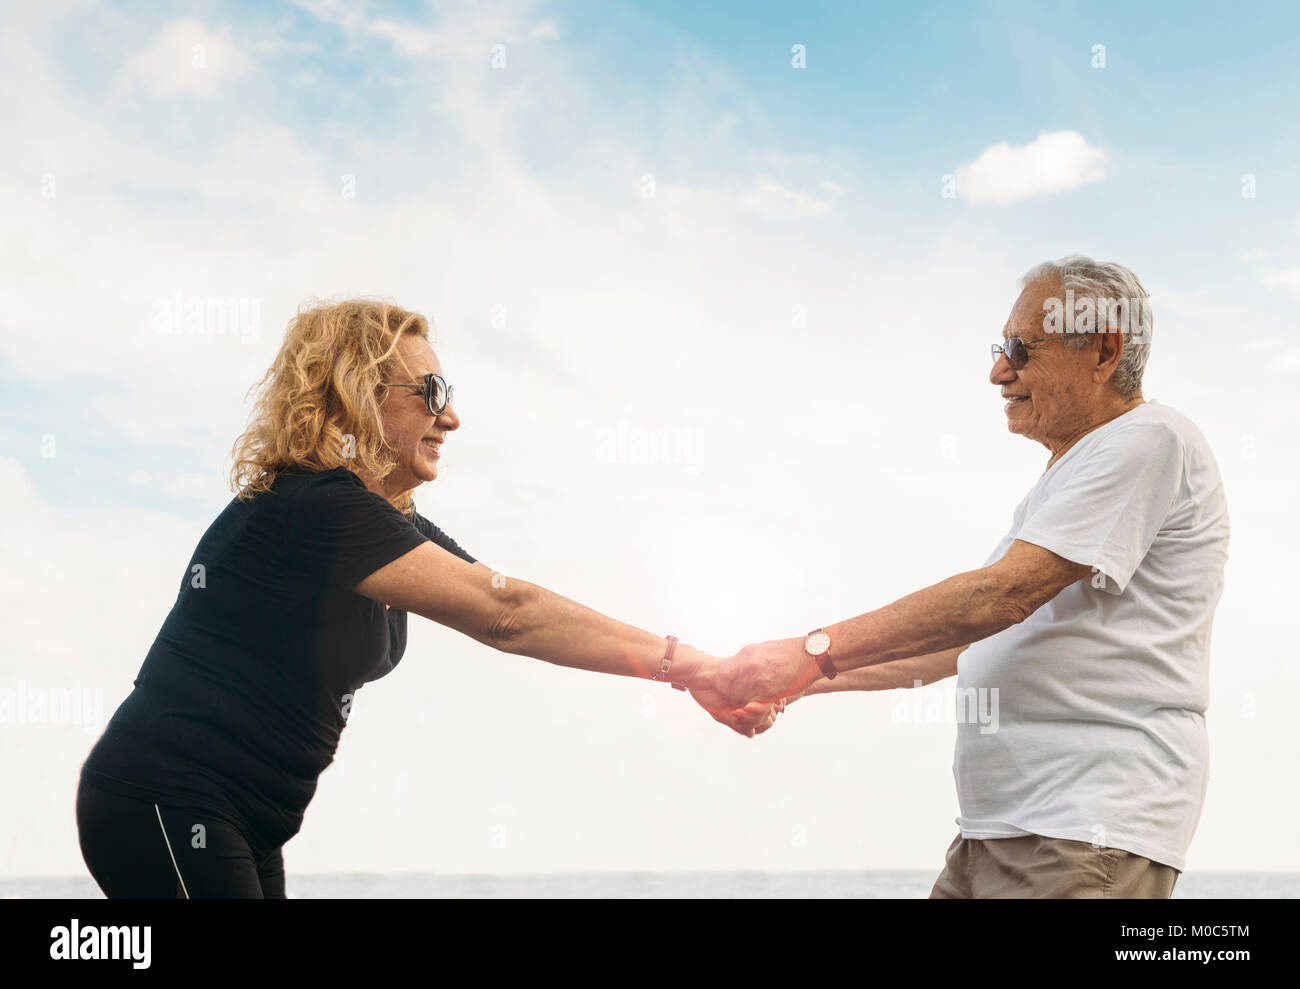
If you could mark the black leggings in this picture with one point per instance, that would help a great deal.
(140, 850)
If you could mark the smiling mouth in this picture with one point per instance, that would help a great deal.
(431, 446)
(1015, 399)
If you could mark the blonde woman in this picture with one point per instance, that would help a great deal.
(297, 595)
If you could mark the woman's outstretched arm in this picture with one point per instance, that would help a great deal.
(522, 618)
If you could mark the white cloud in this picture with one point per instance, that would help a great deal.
(406, 38)
(276, 46)
(348, 16)
(466, 34)
(546, 30)
(188, 58)
(1051, 163)
(1286, 279)
(208, 488)
(353, 20)
(773, 201)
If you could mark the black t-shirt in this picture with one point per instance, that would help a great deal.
(240, 703)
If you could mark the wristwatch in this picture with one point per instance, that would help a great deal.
(817, 645)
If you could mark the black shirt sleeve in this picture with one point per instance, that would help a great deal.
(338, 529)
(441, 538)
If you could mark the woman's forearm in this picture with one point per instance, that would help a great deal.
(548, 626)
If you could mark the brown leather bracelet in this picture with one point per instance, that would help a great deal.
(666, 663)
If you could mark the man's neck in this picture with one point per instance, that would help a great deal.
(1109, 414)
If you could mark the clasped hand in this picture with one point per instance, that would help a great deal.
(747, 691)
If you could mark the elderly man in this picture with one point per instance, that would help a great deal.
(1091, 619)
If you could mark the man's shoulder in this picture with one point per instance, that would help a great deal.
(1149, 435)
(1196, 448)
(1153, 413)
(1154, 424)
(1160, 432)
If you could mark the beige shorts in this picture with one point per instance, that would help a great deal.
(1034, 867)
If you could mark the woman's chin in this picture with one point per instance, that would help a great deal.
(422, 468)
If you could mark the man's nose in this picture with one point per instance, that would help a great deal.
(449, 419)
(1002, 371)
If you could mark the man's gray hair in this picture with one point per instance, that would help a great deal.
(1119, 300)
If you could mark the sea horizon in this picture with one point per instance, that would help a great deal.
(720, 884)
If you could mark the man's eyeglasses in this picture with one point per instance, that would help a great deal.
(437, 393)
(1015, 350)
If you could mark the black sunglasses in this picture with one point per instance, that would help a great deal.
(437, 393)
(1015, 350)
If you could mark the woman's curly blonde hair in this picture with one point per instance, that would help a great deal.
(319, 401)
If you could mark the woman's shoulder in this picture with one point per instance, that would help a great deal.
(295, 478)
(334, 497)
(433, 533)
(296, 490)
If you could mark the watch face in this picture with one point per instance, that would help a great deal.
(817, 643)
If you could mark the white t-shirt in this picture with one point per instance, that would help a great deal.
(1101, 693)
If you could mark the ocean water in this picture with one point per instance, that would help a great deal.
(652, 885)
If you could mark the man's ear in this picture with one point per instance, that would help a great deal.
(1110, 345)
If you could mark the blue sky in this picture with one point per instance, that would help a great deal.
(845, 457)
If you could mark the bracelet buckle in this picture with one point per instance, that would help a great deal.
(666, 663)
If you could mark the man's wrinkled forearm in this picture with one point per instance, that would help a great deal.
(945, 616)
(900, 673)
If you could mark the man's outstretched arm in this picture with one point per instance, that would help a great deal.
(901, 673)
(948, 615)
